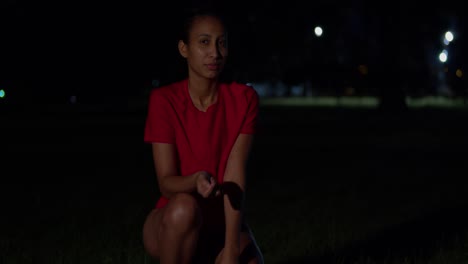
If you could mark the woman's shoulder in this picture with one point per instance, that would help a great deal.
(241, 89)
(169, 91)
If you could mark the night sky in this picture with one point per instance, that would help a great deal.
(53, 49)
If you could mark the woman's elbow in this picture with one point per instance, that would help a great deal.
(163, 189)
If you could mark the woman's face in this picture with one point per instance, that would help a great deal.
(206, 50)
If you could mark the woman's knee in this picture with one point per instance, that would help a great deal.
(182, 212)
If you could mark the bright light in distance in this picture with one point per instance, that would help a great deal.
(318, 31)
(448, 36)
(443, 56)
(2, 93)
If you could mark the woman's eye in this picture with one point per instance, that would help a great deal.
(205, 41)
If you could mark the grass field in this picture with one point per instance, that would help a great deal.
(326, 185)
(365, 102)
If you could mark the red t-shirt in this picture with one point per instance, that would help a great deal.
(203, 139)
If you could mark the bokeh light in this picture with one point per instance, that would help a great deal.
(449, 36)
(318, 31)
(443, 56)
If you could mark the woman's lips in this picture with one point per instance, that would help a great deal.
(212, 67)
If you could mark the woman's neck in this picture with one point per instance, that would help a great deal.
(203, 92)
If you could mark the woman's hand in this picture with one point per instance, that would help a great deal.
(224, 257)
(206, 184)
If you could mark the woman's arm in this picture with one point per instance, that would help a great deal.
(170, 183)
(233, 192)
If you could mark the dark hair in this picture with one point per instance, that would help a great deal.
(192, 13)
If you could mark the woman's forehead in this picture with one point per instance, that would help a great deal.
(207, 25)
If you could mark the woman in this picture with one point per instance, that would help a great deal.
(201, 131)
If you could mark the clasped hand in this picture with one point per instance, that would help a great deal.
(206, 184)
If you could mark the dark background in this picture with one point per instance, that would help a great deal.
(76, 176)
(106, 52)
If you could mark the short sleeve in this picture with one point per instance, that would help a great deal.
(158, 127)
(250, 123)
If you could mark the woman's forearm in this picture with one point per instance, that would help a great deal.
(233, 189)
(171, 185)
(233, 226)
(233, 196)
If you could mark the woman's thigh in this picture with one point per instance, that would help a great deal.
(152, 237)
(151, 232)
(180, 212)
(211, 235)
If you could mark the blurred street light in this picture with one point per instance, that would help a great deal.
(443, 56)
(448, 37)
(318, 31)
